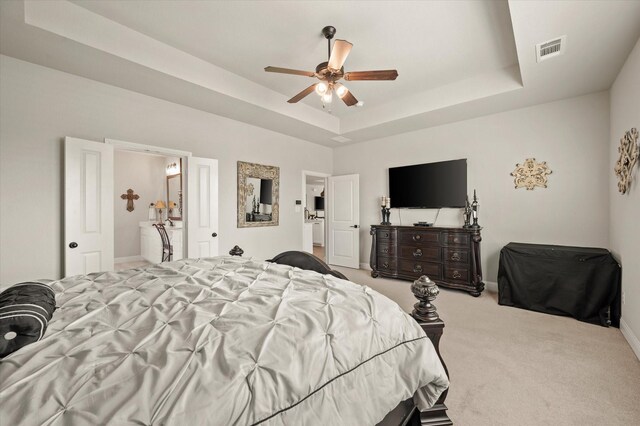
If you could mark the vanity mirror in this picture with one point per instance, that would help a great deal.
(258, 195)
(174, 195)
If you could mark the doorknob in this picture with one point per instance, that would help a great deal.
(353, 226)
(73, 244)
(214, 235)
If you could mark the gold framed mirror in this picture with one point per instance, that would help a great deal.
(174, 195)
(258, 195)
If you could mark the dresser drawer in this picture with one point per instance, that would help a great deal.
(419, 237)
(432, 270)
(386, 264)
(452, 254)
(455, 239)
(386, 234)
(386, 249)
(456, 274)
(421, 253)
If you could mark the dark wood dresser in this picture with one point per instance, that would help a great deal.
(448, 256)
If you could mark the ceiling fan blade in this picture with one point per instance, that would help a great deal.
(302, 94)
(349, 99)
(371, 75)
(341, 49)
(290, 71)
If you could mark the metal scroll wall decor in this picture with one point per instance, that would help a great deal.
(531, 174)
(629, 152)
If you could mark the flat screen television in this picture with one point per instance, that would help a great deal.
(429, 186)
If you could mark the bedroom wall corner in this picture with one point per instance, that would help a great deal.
(624, 208)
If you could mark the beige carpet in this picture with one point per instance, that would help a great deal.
(511, 366)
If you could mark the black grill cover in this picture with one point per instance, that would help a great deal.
(575, 281)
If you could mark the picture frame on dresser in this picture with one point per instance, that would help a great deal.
(448, 256)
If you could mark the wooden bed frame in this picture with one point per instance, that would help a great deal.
(406, 413)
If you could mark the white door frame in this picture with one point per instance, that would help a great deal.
(306, 173)
(149, 149)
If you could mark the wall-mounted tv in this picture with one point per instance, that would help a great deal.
(429, 186)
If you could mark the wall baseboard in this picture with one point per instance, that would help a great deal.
(128, 259)
(491, 286)
(632, 339)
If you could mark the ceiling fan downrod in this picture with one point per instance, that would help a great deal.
(328, 32)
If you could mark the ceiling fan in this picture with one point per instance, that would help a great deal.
(330, 72)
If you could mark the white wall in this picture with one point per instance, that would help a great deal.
(39, 106)
(570, 135)
(146, 175)
(625, 209)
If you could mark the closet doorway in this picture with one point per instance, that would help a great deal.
(93, 195)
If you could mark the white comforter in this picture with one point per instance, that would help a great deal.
(219, 341)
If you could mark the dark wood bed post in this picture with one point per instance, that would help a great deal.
(425, 313)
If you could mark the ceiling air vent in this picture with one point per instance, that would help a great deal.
(551, 48)
(340, 139)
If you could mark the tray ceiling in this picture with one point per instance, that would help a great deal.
(455, 60)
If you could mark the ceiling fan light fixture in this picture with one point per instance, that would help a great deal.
(321, 88)
(331, 71)
(341, 90)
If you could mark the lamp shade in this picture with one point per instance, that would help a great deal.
(266, 191)
(160, 204)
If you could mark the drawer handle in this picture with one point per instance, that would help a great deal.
(417, 253)
(456, 274)
(385, 250)
(417, 237)
(386, 234)
(456, 240)
(385, 265)
(417, 268)
(455, 256)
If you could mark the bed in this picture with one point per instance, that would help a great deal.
(224, 341)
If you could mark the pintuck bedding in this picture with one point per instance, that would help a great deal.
(218, 341)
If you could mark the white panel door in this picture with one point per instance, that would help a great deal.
(202, 207)
(88, 203)
(343, 218)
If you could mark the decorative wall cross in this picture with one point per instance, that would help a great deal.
(531, 174)
(129, 196)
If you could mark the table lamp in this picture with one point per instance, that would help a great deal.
(160, 205)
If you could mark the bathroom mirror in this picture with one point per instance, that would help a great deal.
(258, 195)
(174, 196)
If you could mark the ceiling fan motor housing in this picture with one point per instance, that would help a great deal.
(323, 73)
(328, 32)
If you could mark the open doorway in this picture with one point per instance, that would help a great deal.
(314, 228)
(148, 190)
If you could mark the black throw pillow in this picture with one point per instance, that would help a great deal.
(25, 311)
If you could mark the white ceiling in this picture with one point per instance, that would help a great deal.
(455, 60)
